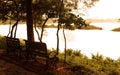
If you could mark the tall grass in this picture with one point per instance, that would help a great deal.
(96, 65)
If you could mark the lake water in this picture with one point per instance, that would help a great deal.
(104, 41)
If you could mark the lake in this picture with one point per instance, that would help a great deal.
(104, 41)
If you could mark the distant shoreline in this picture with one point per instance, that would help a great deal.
(101, 20)
(90, 27)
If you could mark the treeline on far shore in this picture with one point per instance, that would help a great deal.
(89, 27)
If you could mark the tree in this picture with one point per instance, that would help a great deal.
(30, 33)
(71, 21)
(68, 18)
(11, 10)
(53, 10)
(62, 9)
(40, 10)
(16, 10)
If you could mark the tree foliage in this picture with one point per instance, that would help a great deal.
(51, 8)
(12, 9)
(61, 9)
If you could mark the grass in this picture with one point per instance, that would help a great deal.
(97, 65)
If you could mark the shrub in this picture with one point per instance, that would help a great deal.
(97, 65)
(69, 52)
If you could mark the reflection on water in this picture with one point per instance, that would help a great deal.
(104, 42)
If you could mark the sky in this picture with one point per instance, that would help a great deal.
(105, 9)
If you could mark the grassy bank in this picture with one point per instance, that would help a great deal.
(97, 65)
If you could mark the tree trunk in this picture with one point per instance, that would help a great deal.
(15, 25)
(30, 32)
(58, 28)
(43, 29)
(65, 44)
(36, 28)
(9, 27)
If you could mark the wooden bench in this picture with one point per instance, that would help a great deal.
(13, 47)
(35, 49)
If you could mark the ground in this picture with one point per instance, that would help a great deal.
(7, 68)
(13, 66)
(12, 69)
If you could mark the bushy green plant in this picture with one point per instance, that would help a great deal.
(97, 65)
(77, 53)
(2, 42)
(69, 52)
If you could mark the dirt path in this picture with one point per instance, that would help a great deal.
(9, 66)
(12, 69)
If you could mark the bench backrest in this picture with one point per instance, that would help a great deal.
(12, 43)
(36, 48)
